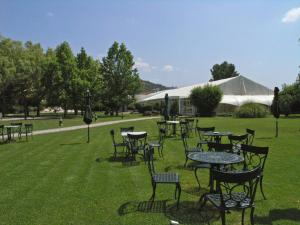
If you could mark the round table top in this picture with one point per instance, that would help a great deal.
(173, 121)
(215, 133)
(221, 158)
(124, 134)
(11, 126)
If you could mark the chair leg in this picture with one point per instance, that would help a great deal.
(223, 217)
(153, 191)
(186, 159)
(195, 171)
(179, 193)
(243, 216)
(202, 199)
(252, 216)
(261, 187)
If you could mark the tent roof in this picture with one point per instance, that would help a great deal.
(236, 91)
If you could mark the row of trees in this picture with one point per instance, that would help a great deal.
(32, 77)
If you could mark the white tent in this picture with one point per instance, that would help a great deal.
(236, 91)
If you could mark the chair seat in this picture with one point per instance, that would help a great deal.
(237, 200)
(166, 178)
(194, 150)
(120, 144)
(154, 144)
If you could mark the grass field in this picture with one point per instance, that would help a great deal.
(60, 179)
(70, 120)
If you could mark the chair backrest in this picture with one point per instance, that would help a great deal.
(251, 134)
(190, 122)
(238, 186)
(149, 158)
(127, 129)
(184, 139)
(219, 147)
(184, 128)
(112, 134)
(162, 135)
(202, 130)
(161, 125)
(2, 128)
(254, 156)
(137, 141)
(238, 139)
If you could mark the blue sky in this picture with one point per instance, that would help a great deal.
(174, 42)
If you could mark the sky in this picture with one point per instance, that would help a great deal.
(174, 42)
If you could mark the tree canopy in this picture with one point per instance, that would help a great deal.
(32, 77)
(223, 70)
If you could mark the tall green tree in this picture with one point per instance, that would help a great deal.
(223, 70)
(68, 80)
(11, 54)
(120, 80)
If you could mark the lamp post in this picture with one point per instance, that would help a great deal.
(88, 116)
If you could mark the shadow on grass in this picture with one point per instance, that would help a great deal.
(75, 143)
(144, 207)
(292, 214)
(196, 191)
(187, 213)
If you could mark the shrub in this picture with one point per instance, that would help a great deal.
(285, 103)
(206, 99)
(251, 110)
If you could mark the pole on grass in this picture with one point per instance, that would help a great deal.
(88, 115)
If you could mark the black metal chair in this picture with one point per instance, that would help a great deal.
(137, 143)
(187, 151)
(255, 157)
(162, 125)
(219, 147)
(191, 125)
(2, 132)
(28, 130)
(126, 129)
(251, 135)
(116, 144)
(237, 141)
(162, 178)
(159, 144)
(19, 129)
(184, 128)
(235, 191)
(202, 138)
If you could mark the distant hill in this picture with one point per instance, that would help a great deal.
(148, 87)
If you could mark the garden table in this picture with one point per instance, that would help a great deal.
(124, 134)
(173, 123)
(217, 135)
(215, 159)
(10, 130)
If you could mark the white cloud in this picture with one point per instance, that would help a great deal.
(50, 14)
(143, 66)
(291, 16)
(168, 68)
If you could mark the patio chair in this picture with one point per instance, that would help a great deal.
(237, 141)
(184, 128)
(117, 144)
(235, 191)
(255, 157)
(162, 125)
(251, 135)
(219, 147)
(191, 125)
(202, 138)
(2, 132)
(19, 129)
(28, 130)
(137, 143)
(159, 144)
(162, 178)
(126, 129)
(187, 151)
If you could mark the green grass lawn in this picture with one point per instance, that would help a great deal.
(60, 179)
(70, 120)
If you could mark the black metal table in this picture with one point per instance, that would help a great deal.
(215, 159)
(217, 135)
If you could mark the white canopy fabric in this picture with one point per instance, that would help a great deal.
(236, 91)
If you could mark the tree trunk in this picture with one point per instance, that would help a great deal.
(38, 110)
(65, 109)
